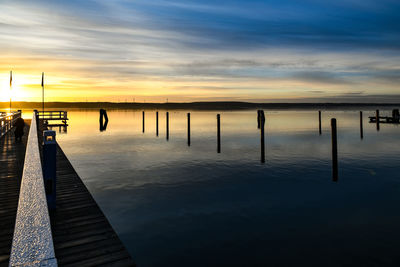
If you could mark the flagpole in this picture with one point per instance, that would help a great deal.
(43, 93)
(10, 88)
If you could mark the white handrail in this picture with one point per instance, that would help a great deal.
(32, 243)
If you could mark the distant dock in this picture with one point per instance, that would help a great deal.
(76, 233)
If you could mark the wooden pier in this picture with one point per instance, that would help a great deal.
(395, 119)
(82, 235)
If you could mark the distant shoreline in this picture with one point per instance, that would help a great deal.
(195, 105)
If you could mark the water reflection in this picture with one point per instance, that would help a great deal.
(191, 206)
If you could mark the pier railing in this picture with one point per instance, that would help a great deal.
(53, 115)
(32, 243)
(7, 121)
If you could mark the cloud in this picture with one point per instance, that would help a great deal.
(240, 47)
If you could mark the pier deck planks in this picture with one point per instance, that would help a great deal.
(12, 157)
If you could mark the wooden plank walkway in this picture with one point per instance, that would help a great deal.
(12, 157)
(82, 234)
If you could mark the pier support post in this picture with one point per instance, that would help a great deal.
(103, 124)
(361, 125)
(167, 132)
(319, 119)
(188, 129)
(218, 133)
(377, 119)
(334, 151)
(143, 121)
(157, 123)
(49, 167)
(258, 119)
(262, 126)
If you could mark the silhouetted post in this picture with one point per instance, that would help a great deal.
(143, 121)
(188, 129)
(258, 119)
(103, 124)
(377, 119)
(334, 151)
(218, 133)
(361, 126)
(262, 122)
(167, 125)
(319, 118)
(157, 123)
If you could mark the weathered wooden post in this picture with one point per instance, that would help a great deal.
(167, 114)
(218, 133)
(377, 119)
(334, 151)
(188, 129)
(49, 167)
(319, 118)
(262, 122)
(258, 119)
(361, 125)
(143, 121)
(157, 123)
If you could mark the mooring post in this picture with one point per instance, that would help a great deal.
(188, 129)
(361, 125)
(49, 167)
(143, 121)
(262, 122)
(218, 133)
(258, 119)
(167, 114)
(334, 151)
(157, 123)
(377, 119)
(319, 118)
(103, 124)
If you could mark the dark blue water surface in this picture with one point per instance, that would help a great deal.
(176, 205)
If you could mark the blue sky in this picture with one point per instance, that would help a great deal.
(267, 51)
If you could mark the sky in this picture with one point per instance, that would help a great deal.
(201, 50)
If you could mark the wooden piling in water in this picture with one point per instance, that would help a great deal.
(361, 125)
(377, 119)
(157, 123)
(262, 126)
(143, 121)
(319, 118)
(103, 120)
(334, 150)
(167, 132)
(218, 133)
(188, 129)
(258, 119)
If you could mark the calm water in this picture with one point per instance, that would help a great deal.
(176, 205)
